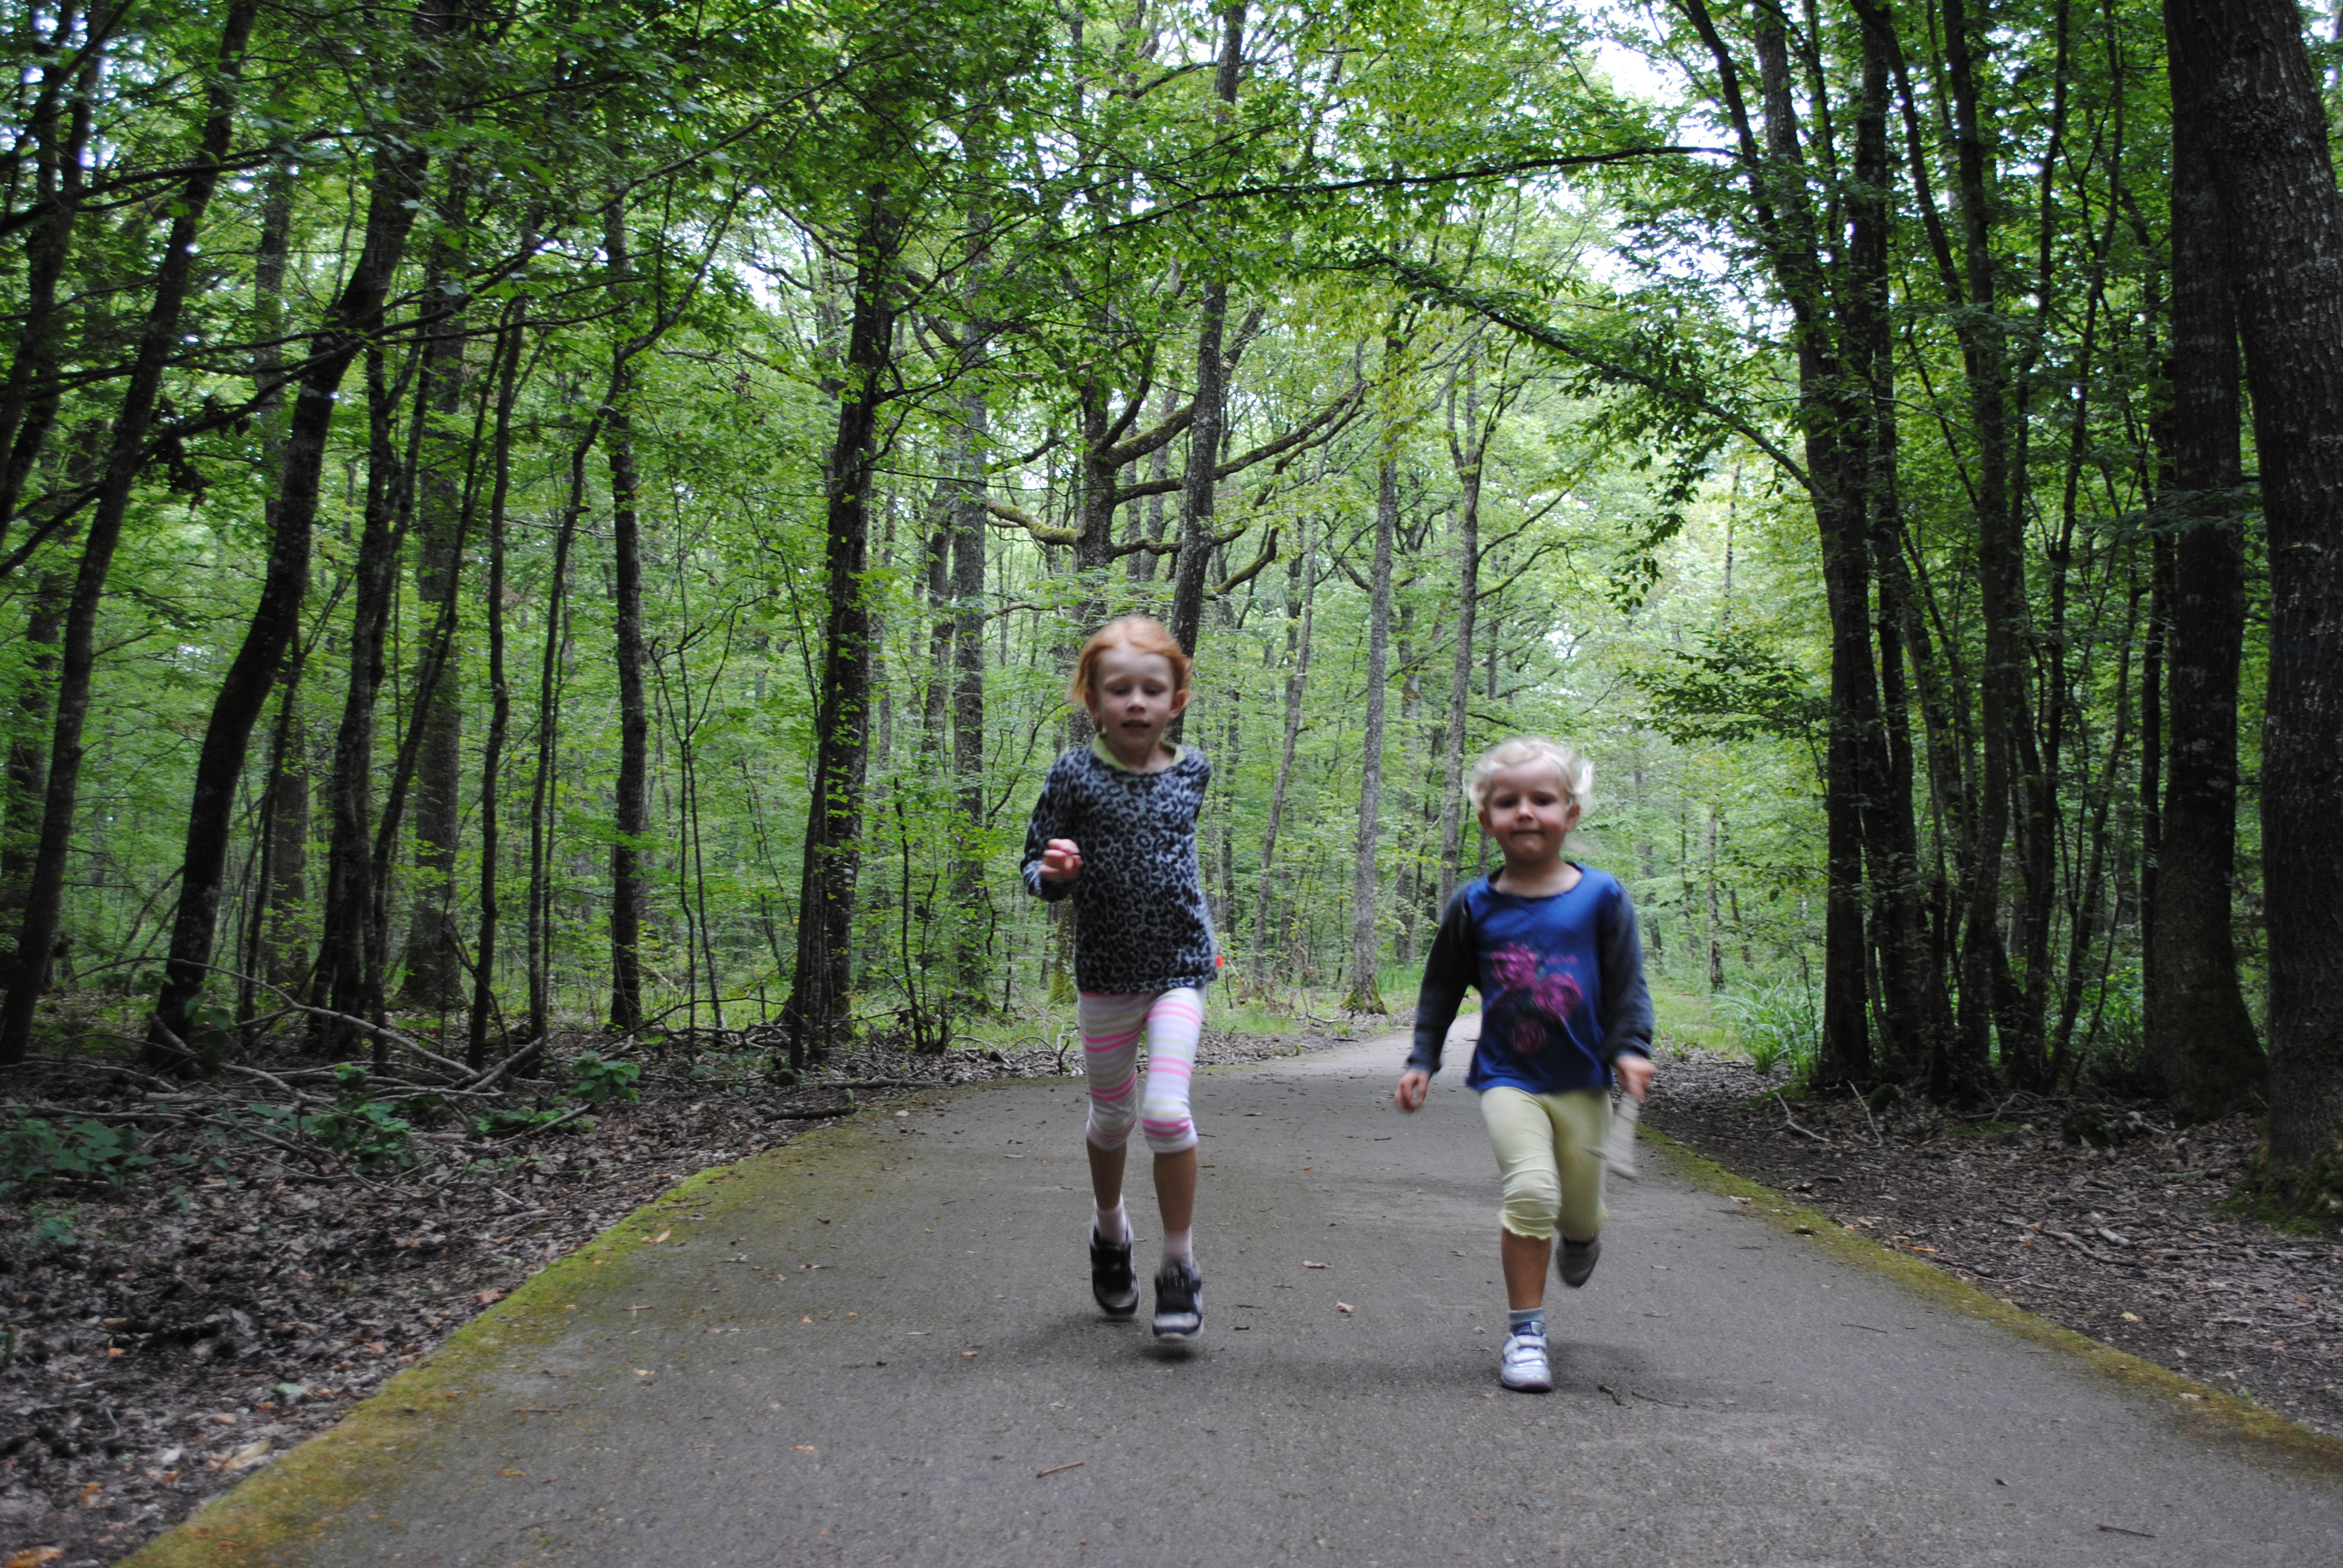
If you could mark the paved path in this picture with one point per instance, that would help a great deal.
(874, 1341)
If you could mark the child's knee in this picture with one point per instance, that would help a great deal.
(1111, 1122)
(1533, 1199)
(1167, 1126)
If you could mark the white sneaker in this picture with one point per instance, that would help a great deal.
(1524, 1369)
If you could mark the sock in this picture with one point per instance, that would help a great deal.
(1180, 1247)
(1110, 1224)
(1528, 1321)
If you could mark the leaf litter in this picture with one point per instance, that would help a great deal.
(160, 1342)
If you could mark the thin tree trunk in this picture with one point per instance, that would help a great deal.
(1301, 595)
(28, 752)
(1916, 1020)
(632, 806)
(1715, 915)
(1365, 997)
(434, 974)
(348, 971)
(1965, 1071)
(44, 898)
(277, 951)
(539, 919)
(492, 750)
(2152, 740)
(815, 1016)
(973, 957)
(1205, 433)
(1469, 453)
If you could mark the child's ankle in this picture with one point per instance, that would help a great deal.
(1110, 1224)
(1530, 1320)
(1180, 1247)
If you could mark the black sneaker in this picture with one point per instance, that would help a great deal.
(1179, 1301)
(1575, 1261)
(1111, 1280)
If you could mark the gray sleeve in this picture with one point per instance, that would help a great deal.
(1450, 968)
(1053, 819)
(1626, 999)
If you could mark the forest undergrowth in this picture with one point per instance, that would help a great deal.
(237, 1277)
(2102, 1217)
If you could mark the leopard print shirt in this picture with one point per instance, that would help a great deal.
(1140, 922)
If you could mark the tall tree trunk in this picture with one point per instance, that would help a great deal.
(1917, 1018)
(1715, 915)
(543, 783)
(1834, 417)
(1365, 996)
(973, 958)
(815, 1013)
(2200, 1033)
(2276, 185)
(350, 974)
(633, 805)
(1965, 1073)
(2161, 588)
(279, 882)
(1205, 434)
(28, 752)
(44, 891)
(1468, 449)
(492, 751)
(1301, 595)
(433, 944)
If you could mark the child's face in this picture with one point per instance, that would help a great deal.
(1133, 699)
(1529, 813)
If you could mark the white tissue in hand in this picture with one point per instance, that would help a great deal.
(1619, 1148)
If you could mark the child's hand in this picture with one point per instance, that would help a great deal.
(1413, 1083)
(1061, 861)
(1634, 1074)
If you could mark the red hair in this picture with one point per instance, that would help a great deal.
(1138, 633)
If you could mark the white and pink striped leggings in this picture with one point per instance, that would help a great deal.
(1113, 1026)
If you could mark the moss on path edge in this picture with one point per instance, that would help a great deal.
(269, 1518)
(2200, 1410)
(272, 1517)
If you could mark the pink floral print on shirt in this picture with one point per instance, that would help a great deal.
(1530, 1007)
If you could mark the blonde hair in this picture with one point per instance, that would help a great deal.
(1141, 634)
(1576, 771)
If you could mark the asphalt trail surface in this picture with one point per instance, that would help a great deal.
(892, 1357)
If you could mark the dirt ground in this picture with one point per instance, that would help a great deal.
(2130, 1243)
(162, 1343)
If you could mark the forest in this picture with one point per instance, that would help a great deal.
(521, 523)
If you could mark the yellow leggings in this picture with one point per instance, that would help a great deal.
(1550, 1154)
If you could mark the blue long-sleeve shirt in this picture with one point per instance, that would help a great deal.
(1561, 981)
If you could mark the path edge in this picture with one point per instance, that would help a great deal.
(2200, 1408)
(266, 1518)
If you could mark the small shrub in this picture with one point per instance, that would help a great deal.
(54, 1225)
(363, 1129)
(369, 1134)
(1780, 1023)
(41, 1154)
(599, 1080)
